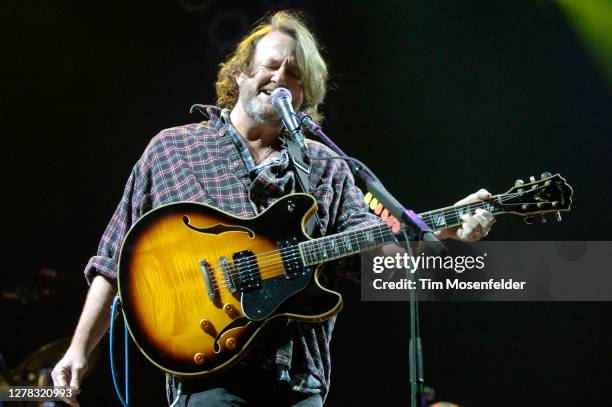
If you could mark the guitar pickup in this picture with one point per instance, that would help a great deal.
(205, 270)
(290, 256)
(247, 270)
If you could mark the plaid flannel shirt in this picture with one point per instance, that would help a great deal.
(203, 163)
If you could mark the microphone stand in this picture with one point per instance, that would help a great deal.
(418, 230)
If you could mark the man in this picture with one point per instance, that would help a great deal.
(238, 161)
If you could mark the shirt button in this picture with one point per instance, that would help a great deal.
(237, 165)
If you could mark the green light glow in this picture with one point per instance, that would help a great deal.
(592, 20)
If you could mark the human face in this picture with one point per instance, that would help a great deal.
(273, 65)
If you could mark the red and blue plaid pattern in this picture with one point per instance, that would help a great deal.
(200, 162)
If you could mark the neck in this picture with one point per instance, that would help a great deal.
(257, 135)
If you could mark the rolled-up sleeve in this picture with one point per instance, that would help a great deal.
(129, 209)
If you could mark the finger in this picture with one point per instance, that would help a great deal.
(487, 229)
(481, 219)
(485, 214)
(75, 382)
(474, 236)
(466, 200)
(60, 377)
(483, 194)
(75, 379)
(470, 220)
(460, 233)
(464, 231)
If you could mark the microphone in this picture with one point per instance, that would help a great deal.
(281, 99)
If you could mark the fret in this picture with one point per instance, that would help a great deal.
(489, 206)
(450, 218)
(438, 220)
(354, 241)
(344, 244)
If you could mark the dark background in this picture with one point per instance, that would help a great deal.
(439, 98)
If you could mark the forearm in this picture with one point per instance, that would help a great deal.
(95, 317)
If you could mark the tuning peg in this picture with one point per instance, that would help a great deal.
(546, 175)
(518, 182)
(529, 220)
(532, 179)
(558, 216)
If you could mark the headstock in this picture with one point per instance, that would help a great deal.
(550, 193)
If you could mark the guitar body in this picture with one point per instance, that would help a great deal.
(197, 284)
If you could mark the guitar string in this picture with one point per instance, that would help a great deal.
(377, 229)
(251, 272)
(263, 261)
(322, 240)
(261, 268)
(289, 254)
(264, 269)
(260, 265)
(337, 236)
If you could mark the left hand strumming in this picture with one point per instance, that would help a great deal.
(474, 227)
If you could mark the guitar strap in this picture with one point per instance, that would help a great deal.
(301, 168)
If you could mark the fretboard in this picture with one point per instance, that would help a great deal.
(344, 244)
(451, 215)
(355, 241)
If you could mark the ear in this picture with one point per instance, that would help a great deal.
(238, 77)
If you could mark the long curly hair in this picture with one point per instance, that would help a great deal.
(313, 68)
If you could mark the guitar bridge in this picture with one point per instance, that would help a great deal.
(207, 279)
(227, 274)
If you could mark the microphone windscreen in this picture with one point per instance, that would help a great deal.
(280, 93)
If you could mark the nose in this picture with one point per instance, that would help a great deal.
(280, 75)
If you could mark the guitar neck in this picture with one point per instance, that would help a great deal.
(451, 215)
(344, 244)
(351, 242)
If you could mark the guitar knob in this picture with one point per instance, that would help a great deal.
(546, 175)
(207, 327)
(532, 179)
(518, 182)
(199, 358)
(558, 216)
(543, 219)
(231, 343)
(231, 311)
(529, 220)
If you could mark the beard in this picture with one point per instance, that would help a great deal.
(261, 113)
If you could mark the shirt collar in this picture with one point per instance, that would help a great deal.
(242, 147)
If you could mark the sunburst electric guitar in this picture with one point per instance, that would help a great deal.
(198, 284)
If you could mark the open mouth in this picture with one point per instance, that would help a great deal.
(266, 91)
